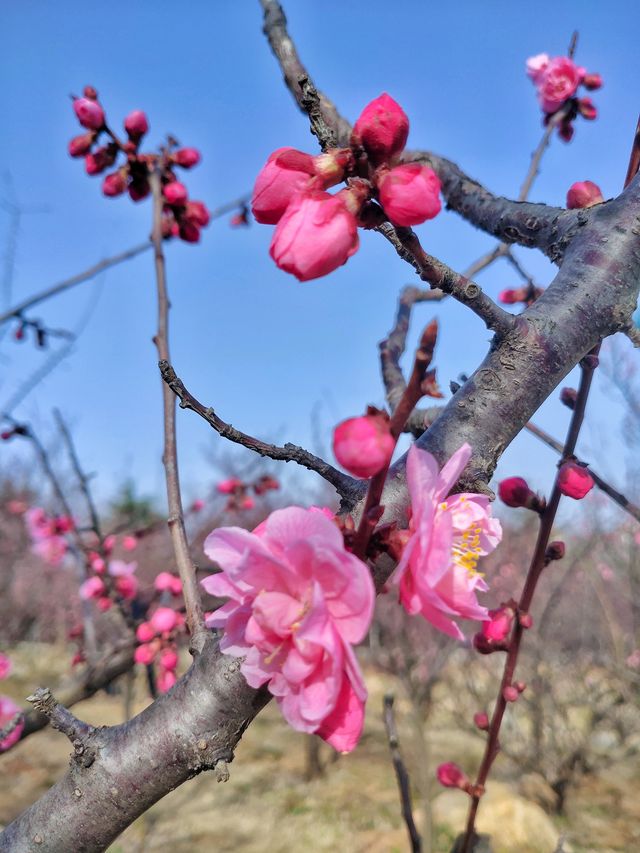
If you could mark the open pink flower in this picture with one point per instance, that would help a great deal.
(298, 601)
(558, 82)
(536, 66)
(437, 573)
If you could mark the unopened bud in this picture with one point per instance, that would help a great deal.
(555, 551)
(568, 397)
(520, 686)
(565, 131)
(587, 109)
(592, 81)
(89, 113)
(81, 145)
(574, 480)
(450, 775)
(481, 720)
(186, 157)
(583, 194)
(90, 92)
(589, 362)
(510, 693)
(525, 620)
(136, 124)
(175, 193)
(514, 492)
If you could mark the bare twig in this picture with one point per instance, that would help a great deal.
(402, 775)
(83, 478)
(347, 487)
(186, 568)
(60, 717)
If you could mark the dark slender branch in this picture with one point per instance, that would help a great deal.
(347, 487)
(536, 159)
(83, 478)
(402, 776)
(616, 496)
(538, 562)
(186, 567)
(634, 159)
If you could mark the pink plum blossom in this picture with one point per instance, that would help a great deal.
(410, 194)
(536, 66)
(437, 574)
(145, 632)
(129, 543)
(5, 666)
(228, 487)
(297, 602)
(136, 124)
(92, 588)
(8, 710)
(557, 83)
(89, 113)
(364, 445)
(144, 654)
(164, 619)
(118, 568)
(583, 194)
(382, 129)
(165, 680)
(52, 550)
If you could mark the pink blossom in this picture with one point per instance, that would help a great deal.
(175, 193)
(536, 66)
(163, 581)
(316, 235)
(165, 680)
(144, 654)
(39, 525)
(118, 568)
(197, 505)
(228, 487)
(81, 145)
(498, 626)
(89, 113)
(5, 666)
(515, 492)
(129, 543)
(17, 507)
(382, 129)
(127, 586)
(176, 586)
(286, 173)
(136, 124)
(450, 775)
(297, 602)
(364, 445)
(115, 183)
(8, 710)
(109, 544)
(410, 194)
(169, 659)
(187, 157)
(557, 83)
(198, 212)
(164, 619)
(52, 550)
(104, 604)
(93, 587)
(437, 573)
(145, 632)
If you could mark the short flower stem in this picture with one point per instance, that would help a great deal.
(536, 567)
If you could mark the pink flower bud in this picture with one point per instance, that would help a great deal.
(520, 686)
(175, 193)
(115, 183)
(198, 212)
(481, 720)
(498, 627)
(574, 481)
(97, 162)
(104, 604)
(163, 581)
(144, 654)
(139, 189)
(187, 157)
(164, 619)
(129, 543)
(512, 296)
(81, 145)
(568, 397)
(166, 680)
(316, 235)
(587, 109)
(228, 487)
(525, 620)
(515, 492)
(176, 586)
(136, 124)
(410, 194)
(555, 551)
(90, 114)
(450, 775)
(382, 129)
(286, 173)
(8, 710)
(510, 693)
(364, 445)
(583, 194)
(169, 659)
(565, 131)
(145, 632)
(592, 81)
(127, 586)
(189, 232)
(92, 588)
(197, 505)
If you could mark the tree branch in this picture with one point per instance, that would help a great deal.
(402, 775)
(186, 568)
(347, 487)
(64, 721)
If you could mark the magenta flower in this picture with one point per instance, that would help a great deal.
(437, 573)
(410, 194)
(298, 601)
(558, 82)
(8, 710)
(5, 666)
(382, 129)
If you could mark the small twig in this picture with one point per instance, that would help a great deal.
(64, 721)
(186, 568)
(616, 496)
(402, 775)
(83, 479)
(347, 487)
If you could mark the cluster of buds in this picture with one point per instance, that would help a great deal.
(526, 295)
(238, 491)
(48, 534)
(157, 639)
(583, 194)
(557, 81)
(317, 232)
(181, 217)
(515, 492)
(111, 582)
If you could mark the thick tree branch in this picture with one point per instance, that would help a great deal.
(347, 487)
(186, 568)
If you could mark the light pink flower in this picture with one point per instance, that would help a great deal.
(410, 194)
(118, 568)
(316, 235)
(557, 83)
(164, 619)
(5, 666)
(297, 602)
(92, 588)
(52, 550)
(8, 710)
(536, 66)
(437, 573)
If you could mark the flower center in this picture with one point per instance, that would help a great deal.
(466, 550)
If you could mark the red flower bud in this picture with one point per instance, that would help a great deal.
(574, 481)
(6, 435)
(197, 212)
(510, 693)
(592, 81)
(189, 232)
(90, 92)
(587, 109)
(565, 131)
(450, 775)
(175, 193)
(139, 189)
(515, 492)
(511, 296)
(481, 720)
(90, 114)
(525, 620)
(100, 160)
(498, 627)
(186, 157)
(568, 397)
(364, 445)
(381, 129)
(410, 194)
(555, 551)
(583, 194)
(136, 124)
(115, 183)
(81, 145)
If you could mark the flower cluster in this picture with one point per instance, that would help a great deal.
(157, 639)
(48, 534)
(298, 602)
(101, 148)
(557, 81)
(115, 579)
(317, 232)
(238, 491)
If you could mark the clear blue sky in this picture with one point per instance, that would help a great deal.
(280, 359)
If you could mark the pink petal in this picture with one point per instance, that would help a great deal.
(343, 727)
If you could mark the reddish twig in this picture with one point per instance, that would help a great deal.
(402, 775)
(186, 568)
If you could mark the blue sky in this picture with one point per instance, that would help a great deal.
(280, 359)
